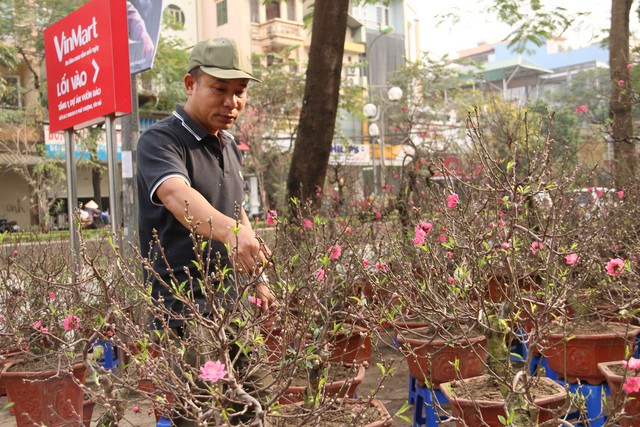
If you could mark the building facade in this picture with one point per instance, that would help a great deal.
(371, 52)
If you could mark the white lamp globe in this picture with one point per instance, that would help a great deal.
(395, 93)
(370, 110)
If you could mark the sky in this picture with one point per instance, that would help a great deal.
(475, 27)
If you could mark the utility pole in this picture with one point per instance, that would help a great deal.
(130, 133)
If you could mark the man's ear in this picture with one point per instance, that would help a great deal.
(189, 82)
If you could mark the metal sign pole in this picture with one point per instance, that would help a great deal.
(112, 163)
(72, 199)
(130, 131)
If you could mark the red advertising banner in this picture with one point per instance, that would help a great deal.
(87, 60)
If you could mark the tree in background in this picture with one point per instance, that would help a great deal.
(533, 22)
(624, 144)
(320, 103)
(269, 124)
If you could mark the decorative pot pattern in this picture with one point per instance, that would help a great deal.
(432, 360)
(475, 412)
(46, 398)
(577, 358)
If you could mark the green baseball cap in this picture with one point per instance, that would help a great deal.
(221, 58)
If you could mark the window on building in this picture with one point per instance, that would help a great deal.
(382, 15)
(10, 92)
(177, 15)
(273, 10)
(254, 11)
(221, 12)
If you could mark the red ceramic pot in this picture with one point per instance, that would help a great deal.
(352, 344)
(385, 419)
(575, 356)
(50, 398)
(342, 388)
(477, 412)
(7, 358)
(621, 400)
(431, 360)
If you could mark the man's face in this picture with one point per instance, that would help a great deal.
(214, 103)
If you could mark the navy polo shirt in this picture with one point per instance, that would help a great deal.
(178, 147)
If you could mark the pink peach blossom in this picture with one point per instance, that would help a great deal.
(272, 216)
(621, 194)
(631, 385)
(535, 247)
(571, 259)
(71, 322)
(615, 267)
(319, 274)
(452, 200)
(212, 371)
(632, 363)
(335, 251)
(255, 300)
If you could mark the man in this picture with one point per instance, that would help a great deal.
(189, 172)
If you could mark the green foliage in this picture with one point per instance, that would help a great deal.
(591, 88)
(563, 126)
(531, 21)
(163, 85)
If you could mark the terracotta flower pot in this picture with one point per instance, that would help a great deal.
(577, 358)
(350, 345)
(431, 360)
(476, 411)
(5, 358)
(48, 398)
(384, 418)
(613, 372)
(339, 388)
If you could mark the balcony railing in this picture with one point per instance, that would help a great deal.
(279, 32)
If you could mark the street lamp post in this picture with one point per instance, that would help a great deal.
(383, 31)
(373, 113)
(370, 111)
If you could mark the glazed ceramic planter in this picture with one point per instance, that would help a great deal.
(432, 360)
(629, 402)
(577, 358)
(50, 398)
(474, 411)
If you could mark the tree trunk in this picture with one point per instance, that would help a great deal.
(624, 147)
(320, 104)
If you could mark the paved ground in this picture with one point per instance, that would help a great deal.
(393, 394)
